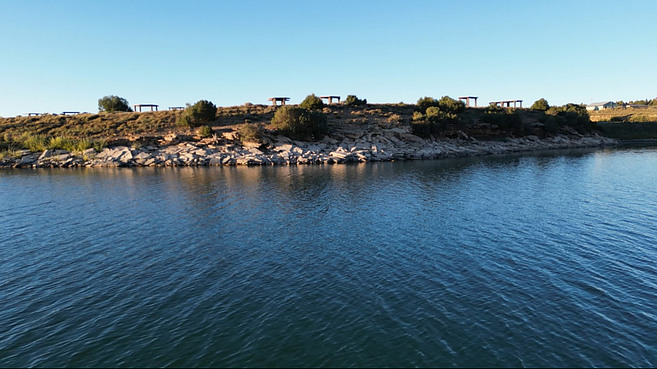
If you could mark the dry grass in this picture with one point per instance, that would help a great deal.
(123, 125)
(109, 128)
(648, 114)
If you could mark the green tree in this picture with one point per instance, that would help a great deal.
(113, 103)
(540, 104)
(202, 112)
(299, 123)
(312, 102)
(449, 105)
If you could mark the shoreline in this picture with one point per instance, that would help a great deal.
(387, 145)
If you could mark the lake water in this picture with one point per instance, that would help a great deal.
(536, 260)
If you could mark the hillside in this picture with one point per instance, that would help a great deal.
(341, 119)
(246, 135)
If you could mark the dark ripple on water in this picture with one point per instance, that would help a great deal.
(541, 260)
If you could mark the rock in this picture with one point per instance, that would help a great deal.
(89, 152)
(281, 147)
(339, 154)
(61, 158)
(171, 138)
(27, 159)
(329, 141)
(124, 156)
(142, 156)
(254, 151)
(45, 154)
(186, 156)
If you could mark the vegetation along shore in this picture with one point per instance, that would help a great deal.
(309, 133)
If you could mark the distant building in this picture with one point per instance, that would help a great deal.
(601, 105)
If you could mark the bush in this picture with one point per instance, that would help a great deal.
(540, 104)
(425, 102)
(494, 108)
(435, 114)
(251, 132)
(312, 102)
(394, 118)
(113, 103)
(352, 100)
(200, 113)
(449, 105)
(299, 123)
(434, 122)
(573, 115)
(59, 143)
(33, 142)
(205, 131)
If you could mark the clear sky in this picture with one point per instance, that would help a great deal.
(64, 55)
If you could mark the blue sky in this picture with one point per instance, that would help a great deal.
(64, 55)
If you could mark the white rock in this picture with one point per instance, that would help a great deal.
(45, 154)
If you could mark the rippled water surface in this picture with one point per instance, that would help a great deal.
(540, 260)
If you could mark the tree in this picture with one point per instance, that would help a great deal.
(312, 102)
(113, 103)
(299, 123)
(449, 105)
(202, 112)
(540, 104)
(352, 100)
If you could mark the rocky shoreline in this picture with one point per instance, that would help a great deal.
(384, 145)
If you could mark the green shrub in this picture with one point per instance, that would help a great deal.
(418, 116)
(205, 131)
(299, 123)
(540, 104)
(312, 102)
(58, 143)
(435, 114)
(99, 144)
(68, 144)
(494, 108)
(434, 122)
(352, 100)
(79, 144)
(425, 102)
(33, 142)
(575, 115)
(394, 118)
(113, 103)
(200, 113)
(449, 105)
(251, 132)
